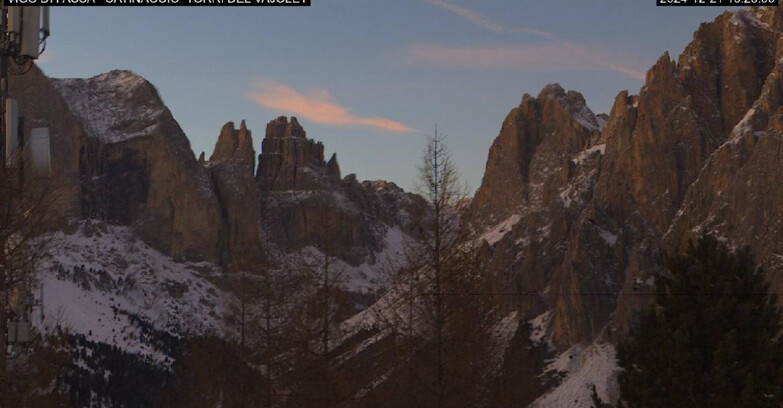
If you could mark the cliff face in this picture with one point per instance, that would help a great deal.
(540, 173)
(235, 146)
(736, 195)
(120, 156)
(584, 213)
(136, 167)
(530, 158)
(291, 161)
(231, 168)
(302, 195)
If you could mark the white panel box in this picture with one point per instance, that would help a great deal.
(40, 152)
(31, 27)
(15, 20)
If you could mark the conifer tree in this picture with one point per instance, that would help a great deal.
(315, 378)
(440, 307)
(712, 339)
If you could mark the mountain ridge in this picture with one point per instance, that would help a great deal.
(576, 211)
(600, 222)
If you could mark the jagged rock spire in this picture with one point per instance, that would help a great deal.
(290, 161)
(234, 145)
(332, 167)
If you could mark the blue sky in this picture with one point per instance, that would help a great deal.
(369, 77)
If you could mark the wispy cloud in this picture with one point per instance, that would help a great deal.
(557, 54)
(316, 105)
(535, 57)
(633, 73)
(470, 15)
(479, 20)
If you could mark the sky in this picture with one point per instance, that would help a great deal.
(371, 78)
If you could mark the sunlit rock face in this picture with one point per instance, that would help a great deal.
(579, 214)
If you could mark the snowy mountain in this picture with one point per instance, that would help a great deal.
(578, 214)
(574, 216)
(103, 282)
(115, 106)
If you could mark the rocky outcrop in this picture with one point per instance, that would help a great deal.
(539, 177)
(530, 158)
(231, 168)
(302, 196)
(235, 146)
(121, 156)
(696, 151)
(356, 216)
(240, 225)
(291, 161)
(333, 168)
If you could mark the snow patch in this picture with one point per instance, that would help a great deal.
(742, 127)
(539, 326)
(585, 154)
(500, 230)
(566, 198)
(585, 117)
(364, 278)
(584, 367)
(104, 105)
(608, 237)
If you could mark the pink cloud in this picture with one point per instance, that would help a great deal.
(316, 105)
(502, 56)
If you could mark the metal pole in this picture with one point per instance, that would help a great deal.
(4, 49)
(3, 272)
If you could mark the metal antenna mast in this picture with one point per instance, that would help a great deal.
(23, 34)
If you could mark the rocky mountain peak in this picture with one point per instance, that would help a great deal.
(133, 165)
(551, 128)
(573, 102)
(234, 145)
(114, 106)
(551, 91)
(282, 128)
(593, 211)
(771, 16)
(332, 167)
(290, 161)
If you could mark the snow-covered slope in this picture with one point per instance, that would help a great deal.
(114, 106)
(104, 283)
(583, 368)
(364, 278)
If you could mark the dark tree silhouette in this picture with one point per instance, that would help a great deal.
(712, 338)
